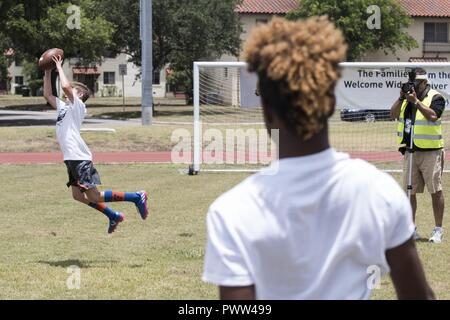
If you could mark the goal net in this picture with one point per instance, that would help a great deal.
(229, 132)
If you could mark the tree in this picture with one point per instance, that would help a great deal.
(4, 64)
(203, 30)
(5, 61)
(125, 16)
(183, 31)
(5, 43)
(351, 17)
(35, 26)
(32, 27)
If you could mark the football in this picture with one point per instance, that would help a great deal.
(46, 62)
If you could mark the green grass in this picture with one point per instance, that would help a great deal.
(126, 138)
(22, 102)
(435, 258)
(348, 137)
(157, 259)
(44, 231)
(172, 114)
(345, 137)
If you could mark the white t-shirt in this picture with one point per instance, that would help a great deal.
(68, 125)
(317, 229)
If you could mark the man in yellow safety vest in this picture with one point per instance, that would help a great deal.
(420, 108)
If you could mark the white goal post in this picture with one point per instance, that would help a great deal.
(224, 95)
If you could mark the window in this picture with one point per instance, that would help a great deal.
(18, 62)
(436, 32)
(156, 76)
(109, 77)
(18, 80)
(261, 21)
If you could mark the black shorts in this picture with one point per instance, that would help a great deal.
(82, 174)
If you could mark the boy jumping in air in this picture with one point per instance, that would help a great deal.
(83, 177)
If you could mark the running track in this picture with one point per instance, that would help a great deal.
(157, 157)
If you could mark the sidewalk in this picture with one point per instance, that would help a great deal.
(19, 118)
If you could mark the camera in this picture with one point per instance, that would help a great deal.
(409, 86)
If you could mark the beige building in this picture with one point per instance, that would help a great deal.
(255, 12)
(430, 27)
(104, 79)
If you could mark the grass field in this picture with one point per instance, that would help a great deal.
(157, 259)
(43, 139)
(351, 137)
(43, 232)
(171, 114)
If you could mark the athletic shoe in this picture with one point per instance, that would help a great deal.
(141, 205)
(436, 235)
(416, 235)
(113, 223)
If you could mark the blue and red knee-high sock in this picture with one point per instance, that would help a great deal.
(114, 196)
(110, 213)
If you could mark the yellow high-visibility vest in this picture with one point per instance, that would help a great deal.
(427, 134)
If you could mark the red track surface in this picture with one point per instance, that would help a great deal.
(158, 157)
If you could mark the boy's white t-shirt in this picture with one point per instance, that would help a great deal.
(68, 125)
(317, 229)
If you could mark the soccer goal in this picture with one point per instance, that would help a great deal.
(229, 132)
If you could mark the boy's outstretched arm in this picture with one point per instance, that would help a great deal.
(407, 273)
(65, 84)
(48, 94)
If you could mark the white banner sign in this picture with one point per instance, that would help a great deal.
(378, 86)
(366, 85)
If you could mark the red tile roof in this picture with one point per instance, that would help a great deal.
(415, 8)
(268, 6)
(8, 52)
(426, 8)
(426, 59)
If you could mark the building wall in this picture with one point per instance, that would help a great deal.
(14, 71)
(231, 94)
(417, 31)
(133, 87)
(249, 21)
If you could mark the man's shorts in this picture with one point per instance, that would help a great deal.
(82, 174)
(427, 170)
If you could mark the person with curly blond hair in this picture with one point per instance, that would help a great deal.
(316, 224)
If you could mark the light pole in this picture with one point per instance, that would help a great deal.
(146, 35)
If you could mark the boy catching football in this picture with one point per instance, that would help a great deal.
(83, 177)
